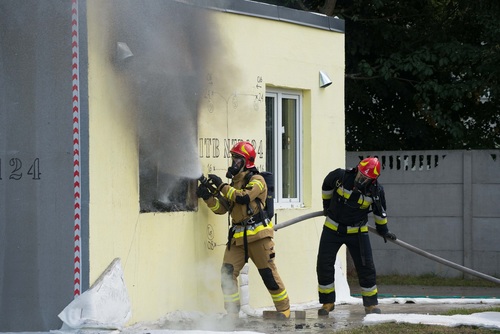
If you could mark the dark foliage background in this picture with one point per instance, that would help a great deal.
(420, 74)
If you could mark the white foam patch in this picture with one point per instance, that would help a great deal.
(483, 319)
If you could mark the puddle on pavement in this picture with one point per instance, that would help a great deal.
(341, 318)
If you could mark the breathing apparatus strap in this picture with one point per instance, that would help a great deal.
(230, 230)
(247, 179)
(245, 243)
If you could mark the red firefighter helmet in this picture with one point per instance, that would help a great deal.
(246, 150)
(369, 167)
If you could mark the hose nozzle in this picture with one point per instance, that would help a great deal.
(206, 182)
(203, 179)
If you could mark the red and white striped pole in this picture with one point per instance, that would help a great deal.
(76, 147)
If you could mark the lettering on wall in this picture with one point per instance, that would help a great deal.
(261, 95)
(211, 95)
(17, 169)
(220, 148)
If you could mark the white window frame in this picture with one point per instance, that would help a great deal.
(278, 95)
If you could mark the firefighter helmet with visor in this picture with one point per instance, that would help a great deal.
(246, 150)
(368, 171)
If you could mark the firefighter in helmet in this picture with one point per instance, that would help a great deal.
(251, 232)
(349, 195)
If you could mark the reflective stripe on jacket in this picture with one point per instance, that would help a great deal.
(350, 229)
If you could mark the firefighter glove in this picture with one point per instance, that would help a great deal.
(215, 180)
(203, 192)
(389, 235)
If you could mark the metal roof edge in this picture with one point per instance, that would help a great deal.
(272, 12)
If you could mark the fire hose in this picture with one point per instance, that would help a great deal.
(399, 243)
(244, 288)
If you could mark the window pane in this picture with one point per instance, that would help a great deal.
(283, 140)
(270, 126)
(289, 150)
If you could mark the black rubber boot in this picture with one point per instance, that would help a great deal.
(326, 309)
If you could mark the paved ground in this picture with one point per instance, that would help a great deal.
(343, 317)
(347, 316)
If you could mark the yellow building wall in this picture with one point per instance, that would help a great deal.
(171, 261)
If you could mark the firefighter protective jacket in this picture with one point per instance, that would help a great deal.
(350, 208)
(242, 197)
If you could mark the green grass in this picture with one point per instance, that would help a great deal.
(428, 280)
(470, 311)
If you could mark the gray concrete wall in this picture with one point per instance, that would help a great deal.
(36, 164)
(444, 202)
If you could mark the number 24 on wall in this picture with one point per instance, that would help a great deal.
(16, 169)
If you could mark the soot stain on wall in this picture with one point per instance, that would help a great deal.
(172, 44)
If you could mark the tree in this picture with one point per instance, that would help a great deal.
(420, 74)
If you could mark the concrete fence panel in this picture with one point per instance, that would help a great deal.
(444, 202)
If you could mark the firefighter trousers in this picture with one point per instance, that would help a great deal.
(359, 247)
(262, 254)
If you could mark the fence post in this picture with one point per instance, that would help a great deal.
(467, 209)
